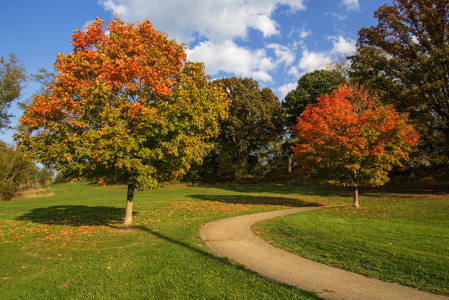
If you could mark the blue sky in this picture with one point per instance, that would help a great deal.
(274, 42)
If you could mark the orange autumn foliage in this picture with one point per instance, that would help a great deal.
(350, 139)
(121, 108)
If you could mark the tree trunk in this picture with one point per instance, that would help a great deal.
(129, 207)
(290, 164)
(356, 191)
(356, 196)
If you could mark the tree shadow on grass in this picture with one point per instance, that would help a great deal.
(298, 189)
(260, 200)
(389, 190)
(411, 189)
(223, 260)
(75, 215)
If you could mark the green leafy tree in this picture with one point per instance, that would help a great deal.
(255, 119)
(310, 86)
(15, 169)
(350, 139)
(406, 57)
(124, 108)
(12, 79)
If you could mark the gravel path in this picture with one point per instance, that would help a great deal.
(232, 237)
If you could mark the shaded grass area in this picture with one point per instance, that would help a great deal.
(401, 234)
(71, 246)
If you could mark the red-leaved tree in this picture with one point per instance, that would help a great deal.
(350, 139)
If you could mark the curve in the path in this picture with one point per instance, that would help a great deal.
(232, 237)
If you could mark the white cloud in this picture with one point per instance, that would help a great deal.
(216, 20)
(336, 16)
(342, 45)
(231, 58)
(286, 88)
(283, 54)
(351, 4)
(115, 8)
(311, 60)
(304, 33)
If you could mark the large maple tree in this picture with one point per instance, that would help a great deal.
(350, 139)
(124, 107)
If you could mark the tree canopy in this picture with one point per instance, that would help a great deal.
(124, 107)
(255, 119)
(310, 86)
(406, 56)
(12, 78)
(350, 139)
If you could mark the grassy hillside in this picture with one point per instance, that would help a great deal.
(70, 245)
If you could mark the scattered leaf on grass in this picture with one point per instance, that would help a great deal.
(65, 284)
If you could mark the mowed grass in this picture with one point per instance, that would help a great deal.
(70, 245)
(399, 235)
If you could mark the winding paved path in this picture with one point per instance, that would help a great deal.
(232, 237)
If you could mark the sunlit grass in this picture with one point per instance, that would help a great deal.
(397, 236)
(71, 245)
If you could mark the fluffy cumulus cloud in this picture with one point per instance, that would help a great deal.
(244, 62)
(311, 60)
(231, 58)
(284, 54)
(215, 20)
(351, 4)
(283, 90)
(219, 24)
(342, 45)
(214, 31)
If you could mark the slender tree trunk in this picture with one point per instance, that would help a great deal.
(290, 164)
(356, 191)
(356, 196)
(129, 207)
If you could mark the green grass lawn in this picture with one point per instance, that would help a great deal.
(399, 235)
(70, 245)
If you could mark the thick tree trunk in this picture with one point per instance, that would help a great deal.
(129, 207)
(356, 196)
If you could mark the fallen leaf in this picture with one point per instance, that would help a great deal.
(62, 286)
